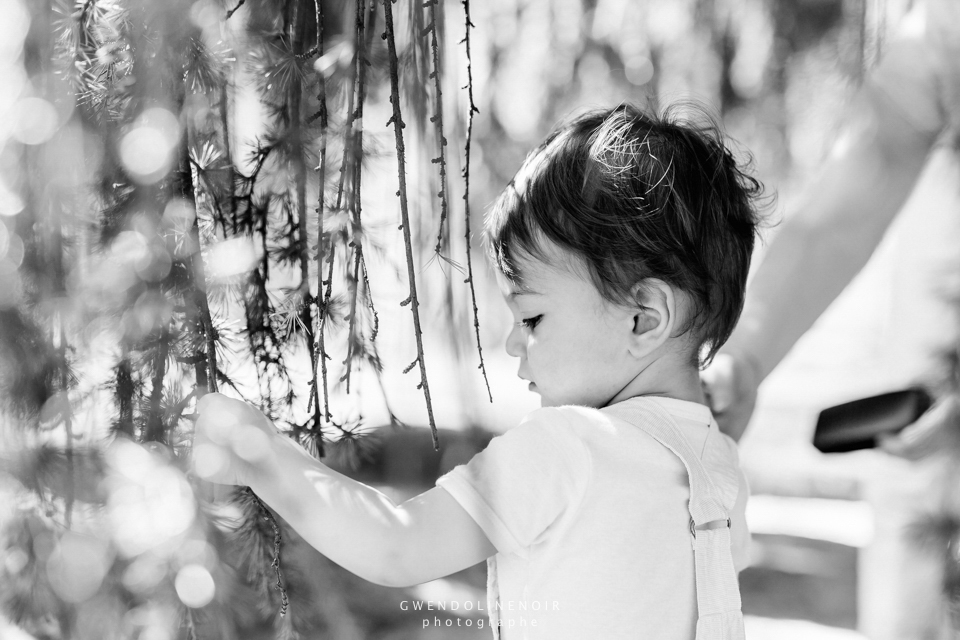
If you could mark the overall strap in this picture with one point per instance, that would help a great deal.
(718, 592)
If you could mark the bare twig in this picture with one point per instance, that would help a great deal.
(277, 540)
(67, 417)
(155, 431)
(206, 380)
(234, 10)
(224, 107)
(319, 359)
(359, 264)
(324, 313)
(397, 120)
(466, 193)
(437, 119)
(296, 30)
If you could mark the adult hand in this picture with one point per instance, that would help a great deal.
(230, 437)
(730, 383)
(934, 431)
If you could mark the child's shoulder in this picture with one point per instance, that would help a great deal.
(583, 427)
(569, 418)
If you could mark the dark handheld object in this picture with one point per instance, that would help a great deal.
(858, 424)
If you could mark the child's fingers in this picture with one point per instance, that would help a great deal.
(214, 463)
(229, 435)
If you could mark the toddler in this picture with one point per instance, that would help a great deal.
(616, 510)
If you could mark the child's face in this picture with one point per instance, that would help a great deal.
(572, 343)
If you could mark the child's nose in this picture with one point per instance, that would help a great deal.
(515, 342)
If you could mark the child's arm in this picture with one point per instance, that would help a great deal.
(354, 525)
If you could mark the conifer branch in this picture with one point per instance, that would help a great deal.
(398, 125)
(466, 192)
(206, 368)
(124, 390)
(156, 430)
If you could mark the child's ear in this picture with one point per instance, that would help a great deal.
(655, 316)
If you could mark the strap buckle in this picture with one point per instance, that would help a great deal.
(706, 526)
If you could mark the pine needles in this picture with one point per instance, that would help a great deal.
(191, 255)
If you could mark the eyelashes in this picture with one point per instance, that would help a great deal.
(530, 323)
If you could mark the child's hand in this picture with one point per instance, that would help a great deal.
(230, 437)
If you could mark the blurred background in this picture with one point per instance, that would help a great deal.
(197, 196)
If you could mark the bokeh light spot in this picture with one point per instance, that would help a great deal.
(231, 258)
(197, 552)
(36, 121)
(146, 151)
(208, 460)
(10, 203)
(639, 70)
(77, 566)
(195, 586)
(144, 573)
(13, 28)
(150, 502)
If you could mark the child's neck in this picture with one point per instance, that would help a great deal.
(668, 377)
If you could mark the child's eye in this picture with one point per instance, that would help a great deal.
(530, 323)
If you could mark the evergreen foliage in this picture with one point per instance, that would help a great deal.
(153, 214)
(170, 223)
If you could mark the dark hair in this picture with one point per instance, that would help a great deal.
(637, 196)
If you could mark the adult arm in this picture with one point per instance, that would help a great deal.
(842, 220)
(890, 128)
(356, 526)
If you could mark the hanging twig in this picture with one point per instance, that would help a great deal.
(234, 10)
(369, 300)
(155, 431)
(268, 517)
(296, 31)
(319, 353)
(347, 162)
(67, 417)
(437, 119)
(125, 388)
(324, 314)
(207, 373)
(223, 108)
(359, 264)
(466, 192)
(397, 120)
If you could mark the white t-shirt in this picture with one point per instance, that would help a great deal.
(590, 519)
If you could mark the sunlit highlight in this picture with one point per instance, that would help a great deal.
(195, 586)
(77, 566)
(150, 503)
(147, 150)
